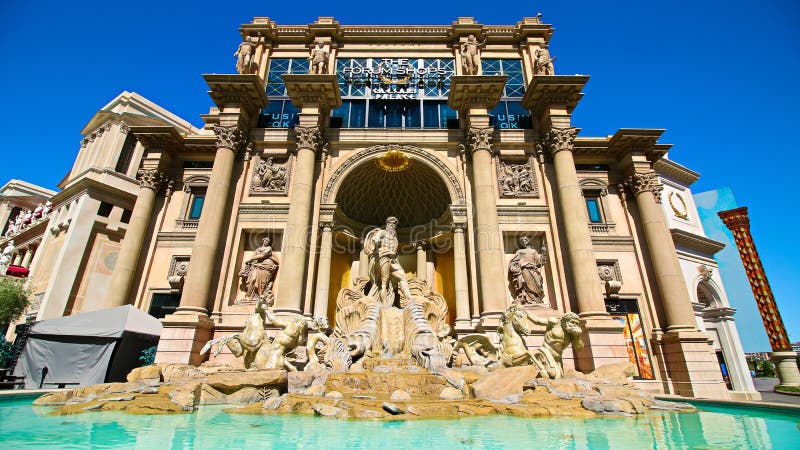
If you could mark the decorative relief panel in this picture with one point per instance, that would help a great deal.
(270, 176)
(678, 205)
(178, 269)
(611, 275)
(517, 178)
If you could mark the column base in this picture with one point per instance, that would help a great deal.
(603, 344)
(182, 338)
(691, 365)
(463, 327)
(490, 320)
(786, 366)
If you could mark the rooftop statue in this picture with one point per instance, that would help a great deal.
(318, 60)
(471, 55)
(543, 63)
(244, 54)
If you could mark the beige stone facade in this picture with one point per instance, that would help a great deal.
(467, 163)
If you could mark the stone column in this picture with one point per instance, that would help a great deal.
(422, 263)
(26, 260)
(473, 96)
(127, 261)
(324, 271)
(315, 95)
(197, 290)
(294, 250)
(17, 259)
(363, 263)
(488, 239)
(551, 100)
(238, 99)
(583, 264)
(666, 267)
(690, 361)
(784, 358)
(463, 321)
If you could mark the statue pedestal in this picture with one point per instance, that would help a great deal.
(604, 343)
(692, 366)
(786, 366)
(182, 338)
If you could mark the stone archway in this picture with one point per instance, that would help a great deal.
(424, 169)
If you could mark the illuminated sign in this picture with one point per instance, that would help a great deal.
(399, 78)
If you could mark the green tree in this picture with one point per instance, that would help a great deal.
(13, 299)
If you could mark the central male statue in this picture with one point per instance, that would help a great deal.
(384, 267)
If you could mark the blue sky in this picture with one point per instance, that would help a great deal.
(718, 75)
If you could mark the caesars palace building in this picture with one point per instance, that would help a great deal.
(461, 132)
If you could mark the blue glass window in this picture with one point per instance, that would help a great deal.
(278, 114)
(510, 115)
(376, 94)
(197, 205)
(512, 68)
(593, 207)
(278, 68)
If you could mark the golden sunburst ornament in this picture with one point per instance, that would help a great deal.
(393, 161)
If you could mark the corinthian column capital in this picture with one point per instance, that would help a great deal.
(230, 136)
(643, 182)
(150, 178)
(308, 137)
(479, 139)
(560, 139)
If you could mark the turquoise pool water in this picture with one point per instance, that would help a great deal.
(23, 426)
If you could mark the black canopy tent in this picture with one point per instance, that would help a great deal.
(89, 348)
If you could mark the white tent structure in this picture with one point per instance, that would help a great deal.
(89, 348)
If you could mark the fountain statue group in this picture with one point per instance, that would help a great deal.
(388, 315)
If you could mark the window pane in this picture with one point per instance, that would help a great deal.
(358, 114)
(431, 113)
(197, 206)
(412, 115)
(518, 117)
(593, 206)
(377, 114)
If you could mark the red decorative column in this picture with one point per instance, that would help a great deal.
(782, 355)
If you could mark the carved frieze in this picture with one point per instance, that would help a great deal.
(479, 139)
(517, 178)
(150, 178)
(560, 139)
(308, 137)
(270, 176)
(644, 182)
(230, 137)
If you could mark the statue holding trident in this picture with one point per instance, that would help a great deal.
(384, 267)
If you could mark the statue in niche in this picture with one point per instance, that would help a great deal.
(318, 60)
(512, 351)
(384, 266)
(471, 55)
(543, 63)
(516, 179)
(269, 177)
(258, 273)
(257, 349)
(244, 54)
(524, 271)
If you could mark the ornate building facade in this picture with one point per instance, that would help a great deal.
(462, 132)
